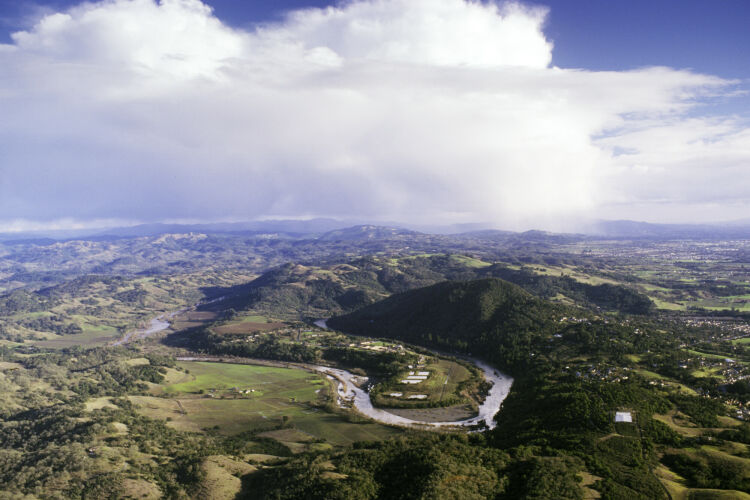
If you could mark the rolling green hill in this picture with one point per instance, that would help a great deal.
(292, 291)
(490, 317)
(295, 291)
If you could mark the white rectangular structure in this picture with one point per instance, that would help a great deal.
(623, 416)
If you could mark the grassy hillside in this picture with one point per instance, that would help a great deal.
(95, 310)
(581, 290)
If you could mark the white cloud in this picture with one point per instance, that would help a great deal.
(64, 224)
(415, 110)
(426, 32)
(178, 38)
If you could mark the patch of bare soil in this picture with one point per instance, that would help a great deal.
(447, 414)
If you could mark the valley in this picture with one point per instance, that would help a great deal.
(374, 250)
(174, 380)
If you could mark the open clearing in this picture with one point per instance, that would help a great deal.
(682, 425)
(88, 338)
(282, 382)
(442, 381)
(447, 414)
(676, 486)
(209, 397)
(249, 324)
(189, 319)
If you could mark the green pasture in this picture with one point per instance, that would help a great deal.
(470, 261)
(281, 395)
(675, 485)
(713, 356)
(664, 304)
(87, 338)
(443, 381)
(282, 382)
(668, 382)
(339, 432)
(576, 274)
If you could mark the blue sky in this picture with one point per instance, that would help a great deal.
(533, 114)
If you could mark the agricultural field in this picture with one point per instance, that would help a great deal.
(238, 398)
(249, 325)
(90, 337)
(191, 318)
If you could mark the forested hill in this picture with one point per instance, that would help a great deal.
(491, 318)
(293, 290)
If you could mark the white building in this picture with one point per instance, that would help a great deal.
(623, 416)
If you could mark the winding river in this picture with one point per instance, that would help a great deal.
(360, 399)
(350, 393)
(156, 325)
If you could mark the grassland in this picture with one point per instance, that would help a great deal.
(248, 325)
(214, 396)
(575, 273)
(471, 261)
(727, 451)
(443, 384)
(89, 338)
(666, 381)
(675, 485)
(708, 355)
(285, 382)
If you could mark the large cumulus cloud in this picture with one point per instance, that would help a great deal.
(413, 110)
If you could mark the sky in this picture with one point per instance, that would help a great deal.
(516, 115)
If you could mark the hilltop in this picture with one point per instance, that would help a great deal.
(493, 318)
(295, 291)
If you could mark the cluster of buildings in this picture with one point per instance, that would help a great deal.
(415, 377)
(735, 329)
(602, 372)
(376, 346)
(743, 411)
(573, 319)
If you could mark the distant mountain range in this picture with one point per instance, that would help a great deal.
(292, 227)
(337, 230)
(287, 227)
